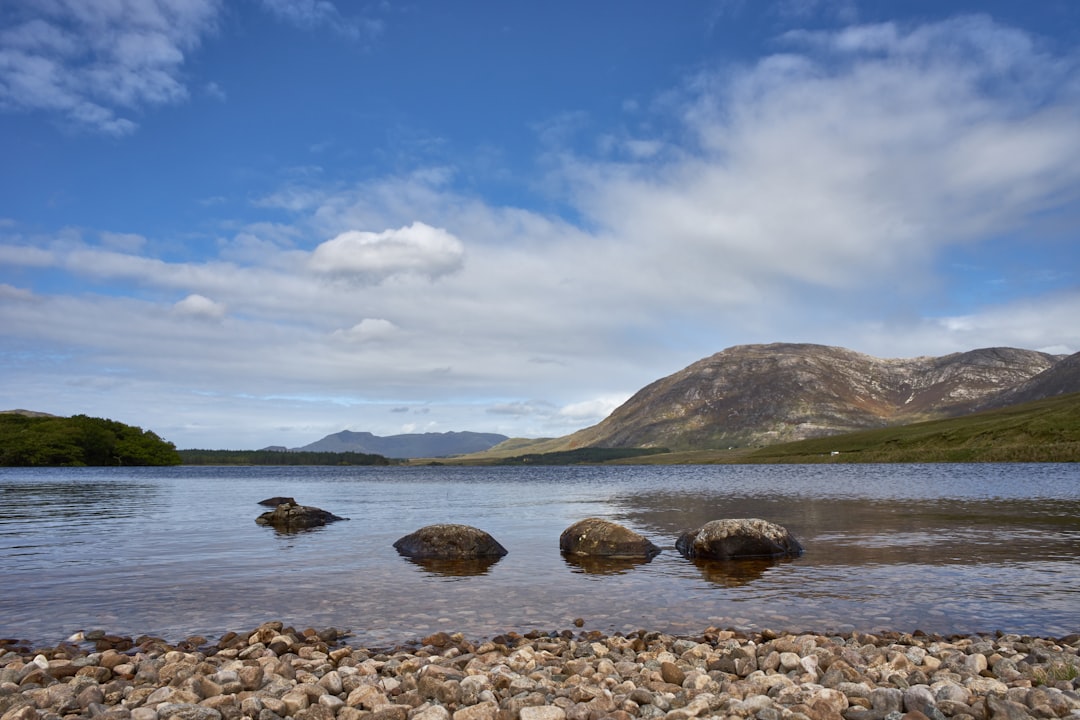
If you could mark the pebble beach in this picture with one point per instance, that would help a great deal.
(274, 672)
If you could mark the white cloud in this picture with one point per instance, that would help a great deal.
(199, 306)
(809, 197)
(10, 292)
(1028, 323)
(841, 170)
(368, 330)
(315, 14)
(93, 63)
(418, 249)
(592, 411)
(215, 91)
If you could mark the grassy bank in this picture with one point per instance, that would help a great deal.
(1043, 431)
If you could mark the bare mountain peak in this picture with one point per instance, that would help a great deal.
(766, 393)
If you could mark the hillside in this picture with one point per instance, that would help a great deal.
(1046, 430)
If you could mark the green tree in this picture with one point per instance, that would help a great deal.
(79, 440)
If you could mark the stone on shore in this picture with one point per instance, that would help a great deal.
(449, 541)
(289, 517)
(276, 672)
(731, 539)
(595, 537)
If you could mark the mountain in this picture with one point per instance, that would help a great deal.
(415, 445)
(1061, 379)
(752, 395)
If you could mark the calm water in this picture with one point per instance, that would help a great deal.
(176, 551)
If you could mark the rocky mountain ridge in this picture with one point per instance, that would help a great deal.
(750, 395)
(409, 445)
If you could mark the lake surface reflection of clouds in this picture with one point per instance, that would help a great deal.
(176, 551)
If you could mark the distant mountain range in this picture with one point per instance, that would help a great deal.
(413, 445)
(757, 395)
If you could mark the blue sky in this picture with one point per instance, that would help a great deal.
(258, 222)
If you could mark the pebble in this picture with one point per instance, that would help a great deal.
(275, 672)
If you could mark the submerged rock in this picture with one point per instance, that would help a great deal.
(595, 537)
(738, 538)
(290, 516)
(449, 541)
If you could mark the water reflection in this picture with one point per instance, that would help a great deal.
(455, 567)
(865, 531)
(735, 573)
(27, 501)
(596, 565)
(289, 531)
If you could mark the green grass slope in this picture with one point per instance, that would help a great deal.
(1041, 431)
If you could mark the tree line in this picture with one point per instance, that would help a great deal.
(33, 441)
(581, 456)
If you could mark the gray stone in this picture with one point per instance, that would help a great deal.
(598, 537)
(919, 698)
(738, 538)
(449, 541)
(187, 711)
(289, 517)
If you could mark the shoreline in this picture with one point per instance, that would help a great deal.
(275, 672)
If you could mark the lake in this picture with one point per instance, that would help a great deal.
(175, 551)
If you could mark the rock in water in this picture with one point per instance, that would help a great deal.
(290, 516)
(595, 537)
(277, 500)
(738, 538)
(449, 541)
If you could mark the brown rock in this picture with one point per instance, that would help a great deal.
(390, 712)
(481, 711)
(672, 673)
(603, 538)
(277, 500)
(738, 538)
(449, 541)
(289, 517)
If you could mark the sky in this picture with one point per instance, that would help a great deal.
(258, 222)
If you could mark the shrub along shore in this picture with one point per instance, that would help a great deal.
(275, 672)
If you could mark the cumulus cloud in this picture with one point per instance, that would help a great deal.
(199, 306)
(418, 249)
(95, 63)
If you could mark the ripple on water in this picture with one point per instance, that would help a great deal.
(176, 551)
